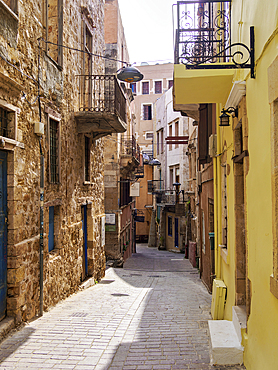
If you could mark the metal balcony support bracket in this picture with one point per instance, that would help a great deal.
(203, 37)
(248, 62)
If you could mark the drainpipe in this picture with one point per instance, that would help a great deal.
(218, 197)
(41, 225)
(41, 192)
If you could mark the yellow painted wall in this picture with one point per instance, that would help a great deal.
(262, 327)
(261, 346)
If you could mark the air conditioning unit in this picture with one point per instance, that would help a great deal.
(219, 291)
(213, 145)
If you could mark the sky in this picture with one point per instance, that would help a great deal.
(148, 30)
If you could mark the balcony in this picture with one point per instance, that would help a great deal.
(204, 59)
(102, 106)
(130, 154)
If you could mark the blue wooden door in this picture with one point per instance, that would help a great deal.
(176, 232)
(85, 240)
(3, 233)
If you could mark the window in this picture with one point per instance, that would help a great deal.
(170, 226)
(147, 112)
(171, 178)
(54, 150)
(87, 159)
(162, 139)
(88, 46)
(133, 87)
(170, 134)
(125, 198)
(12, 4)
(4, 119)
(145, 88)
(149, 135)
(177, 174)
(224, 205)
(157, 142)
(158, 87)
(54, 29)
(53, 227)
(170, 84)
(177, 132)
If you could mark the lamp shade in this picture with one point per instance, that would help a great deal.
(130, 74)
(154, 162)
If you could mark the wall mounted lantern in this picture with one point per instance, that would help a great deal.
(224, 118)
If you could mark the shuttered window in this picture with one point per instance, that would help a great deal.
(205, 130)
(147, 112)
(54, 151)
(51, 229)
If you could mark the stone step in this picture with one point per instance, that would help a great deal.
(239, 321)
(6, 326)
(225, 347)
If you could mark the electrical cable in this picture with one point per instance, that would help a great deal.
(31, 78)
(82, 51)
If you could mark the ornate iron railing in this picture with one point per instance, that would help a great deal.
(130, 147)
(101, 94)
(166, 197)
(203, 37)
(203, 31)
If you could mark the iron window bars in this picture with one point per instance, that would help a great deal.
(203, 37)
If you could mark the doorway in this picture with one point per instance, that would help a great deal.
(176, 232)
(3, 234)
(85, 242)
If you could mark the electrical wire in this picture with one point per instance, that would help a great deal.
(23, 74)
(83, 51)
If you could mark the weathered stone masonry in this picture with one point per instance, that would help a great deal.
(63, 267)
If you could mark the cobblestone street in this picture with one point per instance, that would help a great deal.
(150, 315)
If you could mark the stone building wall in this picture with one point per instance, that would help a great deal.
(59, 100)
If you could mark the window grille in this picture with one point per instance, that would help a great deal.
(4, 122)
(54, 151)
(158, 87)
(87, 158)
(145, 88)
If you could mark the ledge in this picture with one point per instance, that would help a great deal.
(274, 286)
(9, 84)
(224, 254)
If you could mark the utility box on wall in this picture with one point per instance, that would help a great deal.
(219, 291)
(213, 145)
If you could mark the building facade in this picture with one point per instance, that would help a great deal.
(170, 148)
(157, 80)
(48, 111)
(121, 152)
(244, 170)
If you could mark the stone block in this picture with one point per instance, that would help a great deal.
(15, 275)
(13, 303)
(225, 348)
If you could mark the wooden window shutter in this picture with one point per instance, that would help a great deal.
(203, 133)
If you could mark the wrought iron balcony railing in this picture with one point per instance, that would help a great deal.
(166, 197)
(101, 94)
(203, 37)
(203, 31)
(129, 147)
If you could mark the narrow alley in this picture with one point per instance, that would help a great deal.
(152, 314)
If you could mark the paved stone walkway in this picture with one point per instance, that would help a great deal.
(150, 315)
